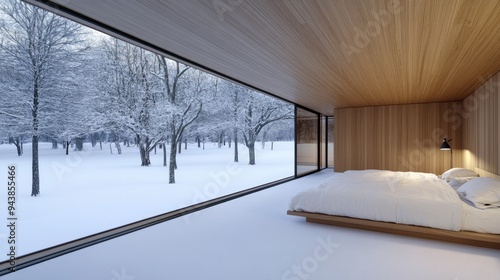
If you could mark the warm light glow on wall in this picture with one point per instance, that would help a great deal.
(468, 159)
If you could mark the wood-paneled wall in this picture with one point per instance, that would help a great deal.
(481, 127)
(398, 137)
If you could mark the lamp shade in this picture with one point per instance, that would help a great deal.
(445, 146)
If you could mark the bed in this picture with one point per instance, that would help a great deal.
(460, 206)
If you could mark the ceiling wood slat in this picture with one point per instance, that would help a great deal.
(324, 54)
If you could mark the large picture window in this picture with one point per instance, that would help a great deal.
(104, 133)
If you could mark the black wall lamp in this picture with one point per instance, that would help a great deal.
(445, 146)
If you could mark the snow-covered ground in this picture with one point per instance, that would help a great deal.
(94, 190)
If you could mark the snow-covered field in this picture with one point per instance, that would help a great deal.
(94, 190)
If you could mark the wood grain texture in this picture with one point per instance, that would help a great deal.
(322, 54)
(398, 137)
(484, 173)
(481, 127)
(461, 237)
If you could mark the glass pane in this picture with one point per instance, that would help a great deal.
(323, 142)
(307, 141)
(107, 133)
(330, 142)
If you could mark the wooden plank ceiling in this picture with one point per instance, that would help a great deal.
(323, 54)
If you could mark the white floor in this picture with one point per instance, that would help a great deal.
(253, 238)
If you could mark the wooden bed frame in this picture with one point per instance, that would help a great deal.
(461, 237)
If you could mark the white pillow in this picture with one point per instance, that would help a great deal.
(457, 182)
(482, 192)
(458, 172)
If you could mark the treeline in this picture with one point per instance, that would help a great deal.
(65, 83)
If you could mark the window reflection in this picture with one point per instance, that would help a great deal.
(307, 144)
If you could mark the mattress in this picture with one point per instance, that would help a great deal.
(412, 198)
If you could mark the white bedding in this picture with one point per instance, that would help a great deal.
(480, 220)
(402, 197)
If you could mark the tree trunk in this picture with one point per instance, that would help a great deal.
(35, 188)
(172, 166)
(67, 147)
(235, 145)
(185, 144)
(264, 136)
(172, 163)
(93, 139)
(251, 151)
(79, 144)
(164, 154)
(35, 172)
(199, 141)
(144, 151)
(54, 144)
(19, 146)
(118, 147)
(180, 145)
(272, 145)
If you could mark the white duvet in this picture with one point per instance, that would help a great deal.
(412, 198)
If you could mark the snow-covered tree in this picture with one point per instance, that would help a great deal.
(259, 111)
(70, 122)
(278, 131)
(132, 97)
(39, 47)
(183, 87)
(232, 97)
(243, 112)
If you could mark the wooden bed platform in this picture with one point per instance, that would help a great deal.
(460, 237)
